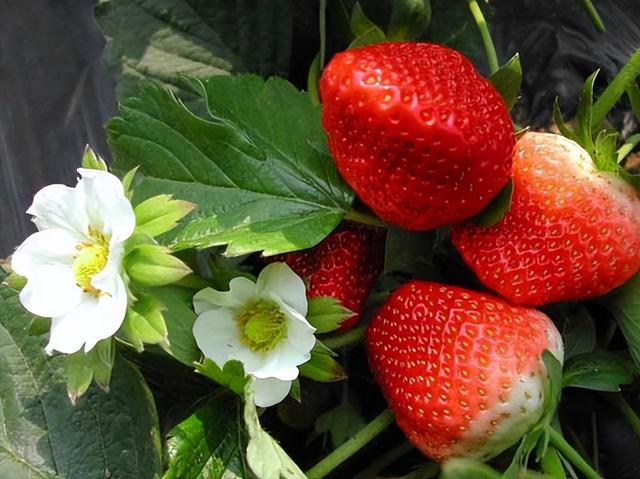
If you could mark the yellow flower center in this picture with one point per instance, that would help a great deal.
(262, 325)
(91, 259)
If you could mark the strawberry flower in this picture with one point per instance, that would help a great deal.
(260, 324)
(73, 263)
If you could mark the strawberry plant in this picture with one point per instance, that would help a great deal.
(378, 275)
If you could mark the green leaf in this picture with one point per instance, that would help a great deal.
(410, 252)
(363, 30)
(39, 326)
(628, 147)
(624, 79)
(600, 371)
(93, 161)
(160, 214)
(210, 443)
(508, 79)
(369, 37)
(45, 437)
(153, 265)
(262, 177)
(178, 314)
(265, 457)
(409, 19)
(164, 40)
(578, 332)
(231, 375)
(552, 465)
(633, 92)
(326, 314)
(459, 468)
(340, 423)
(322, 367)
(81, 368)
(144, 323)
(495, 211)
(624, 304)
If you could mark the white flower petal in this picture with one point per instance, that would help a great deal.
(300, 333)
(107, 208)
(217, 335)
(241, 290)
(280, 280)
(45, 259)
(59, 206)
(270, 391)
(281, 363)
(68, 332)
(106, 314)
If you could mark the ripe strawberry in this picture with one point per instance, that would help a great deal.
(572, 232)
(461, 370)
(344, 266)
(420, 136)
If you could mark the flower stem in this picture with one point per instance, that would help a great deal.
(350, 338)
(490, 50)
(626, 410)
(353, 445)
(364, 218)
(569, 453)
(323, 31)
(594, 15)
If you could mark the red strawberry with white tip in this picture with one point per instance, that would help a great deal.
(572, 232)
(461, 370)
(416, 131)
(344, 266)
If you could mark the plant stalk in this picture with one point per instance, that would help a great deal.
(569, 453)
(352, 337)
(353, 445)
(489, 48)
(364, 218)
(323, 31)
(626, 410)
(594, 15)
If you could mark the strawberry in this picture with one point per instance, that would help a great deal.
(572, 232)
(461, 370)
(344, 266)
(421, 137)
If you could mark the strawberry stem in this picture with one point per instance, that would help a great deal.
(571, 455)
(323, 31)
(353, 445)
(626, 410)
(352, 337)
(594, 15)
(490, 50)
(364, 218)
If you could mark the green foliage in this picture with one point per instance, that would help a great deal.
(497, 208)
(93, 161)
(409, 19)
(81, 368)
(210, 443)
(153, 265)
(600, 371)
(231, 375)
(322, 367)
(508, 80)
(144, 323)
(261, 177)
(624, 304)
(45, 436)
(164, 40)
(326, 314)
(578, 332)
(363, 30)
(340, 423)
(160, 214)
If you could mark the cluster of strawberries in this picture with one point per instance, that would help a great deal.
(426, 141)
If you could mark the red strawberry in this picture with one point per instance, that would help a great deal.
(344, 266)
(572, 232)
(461, 370)
(421, 137)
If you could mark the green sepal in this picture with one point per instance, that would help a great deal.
(81, 367)
(295, 392)
(363, 30)
(38, 325)
(326, 314)
(508, 79)
(409, 19)
(497, 208)
(231, 375)
(153, 265)
(322, 367)
(627, 147)
(93, 161)
(160, 213)
(144, 323)
(313, 78)
(552, 465)
(128, 181)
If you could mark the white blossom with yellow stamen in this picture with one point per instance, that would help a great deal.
(260, 324)
(73, 263)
